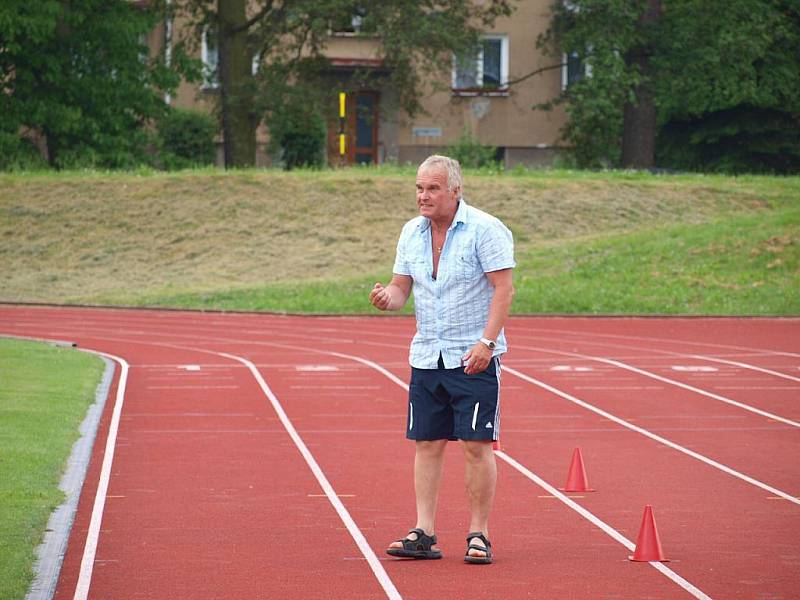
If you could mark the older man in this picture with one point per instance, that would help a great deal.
(458, 261)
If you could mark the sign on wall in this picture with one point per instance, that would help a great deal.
(426, 131)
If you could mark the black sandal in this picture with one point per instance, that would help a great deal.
(478, 560)
(418, 548)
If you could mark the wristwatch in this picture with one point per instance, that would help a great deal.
(490, 343)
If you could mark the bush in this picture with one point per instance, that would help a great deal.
(743, 139)
(186, 139)
(18, 154)
(297, 135)
(469, 151)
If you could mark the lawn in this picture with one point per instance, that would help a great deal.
(316, 241)
(44, 396)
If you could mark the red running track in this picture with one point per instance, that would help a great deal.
(210, 497)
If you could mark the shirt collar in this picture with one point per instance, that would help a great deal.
(460, 217)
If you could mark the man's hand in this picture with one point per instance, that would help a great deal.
(392, 296)
(380, 297)
(477, 359)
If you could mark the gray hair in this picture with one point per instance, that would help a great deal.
(450, 166)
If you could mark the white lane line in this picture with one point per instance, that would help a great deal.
(656, 437)
(619, 387)
(90, 549)
(679, 384)
(377, 568)
(192, 387)
(756, 353)
(391, 376)
(87, 563)
(758, 387)
(597, 522)
(747, 366)
(574, 506)
(369, 363)
(650, 340)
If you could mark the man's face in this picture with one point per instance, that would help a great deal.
(434, 200)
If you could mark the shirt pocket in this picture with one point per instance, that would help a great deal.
(419, 267)
(468, 268)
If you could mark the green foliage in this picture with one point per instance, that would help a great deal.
(470, 152)
(186, 139)
(77, 74)
(600, 33)
(717, 67)
(737, 140)
(297, 135)
(728, 86)
(18, 154)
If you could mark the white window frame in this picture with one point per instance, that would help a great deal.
(168, 49)
(210, 77)
(504, 60)
(587, 71)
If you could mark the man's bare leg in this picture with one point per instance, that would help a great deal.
(481, 480)
(428, 465)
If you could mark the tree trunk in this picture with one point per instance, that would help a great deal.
(639, 117)
(235, 82)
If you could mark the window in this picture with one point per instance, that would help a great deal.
(355, 22)
(209, 53)
(486, 69)
(573, 69)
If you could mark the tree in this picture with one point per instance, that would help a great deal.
(288, 40)
(708, 80)
(605, 36)
(729, 75)
(76, 77)
(639, 112)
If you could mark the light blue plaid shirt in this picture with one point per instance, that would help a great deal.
(452, 310)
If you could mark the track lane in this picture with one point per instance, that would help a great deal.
(396, 330)
(636, 581)
(326, 414)
(188, 510)
(774, 383)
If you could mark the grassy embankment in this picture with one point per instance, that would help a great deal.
(317, 241)
(44, 396)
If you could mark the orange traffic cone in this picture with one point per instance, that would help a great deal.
(576, 477)
(648, 545)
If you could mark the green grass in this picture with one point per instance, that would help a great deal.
(316, 241)
(44, 396)
(741, 265)
(748, 264)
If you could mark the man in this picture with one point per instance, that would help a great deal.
(458, 261)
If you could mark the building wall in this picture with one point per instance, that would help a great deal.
(506, 120)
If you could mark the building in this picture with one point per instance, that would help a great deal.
(475, 101)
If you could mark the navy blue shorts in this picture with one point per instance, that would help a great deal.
(449, 404)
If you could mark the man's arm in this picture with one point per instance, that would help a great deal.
(392, 296)
(478, 358)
